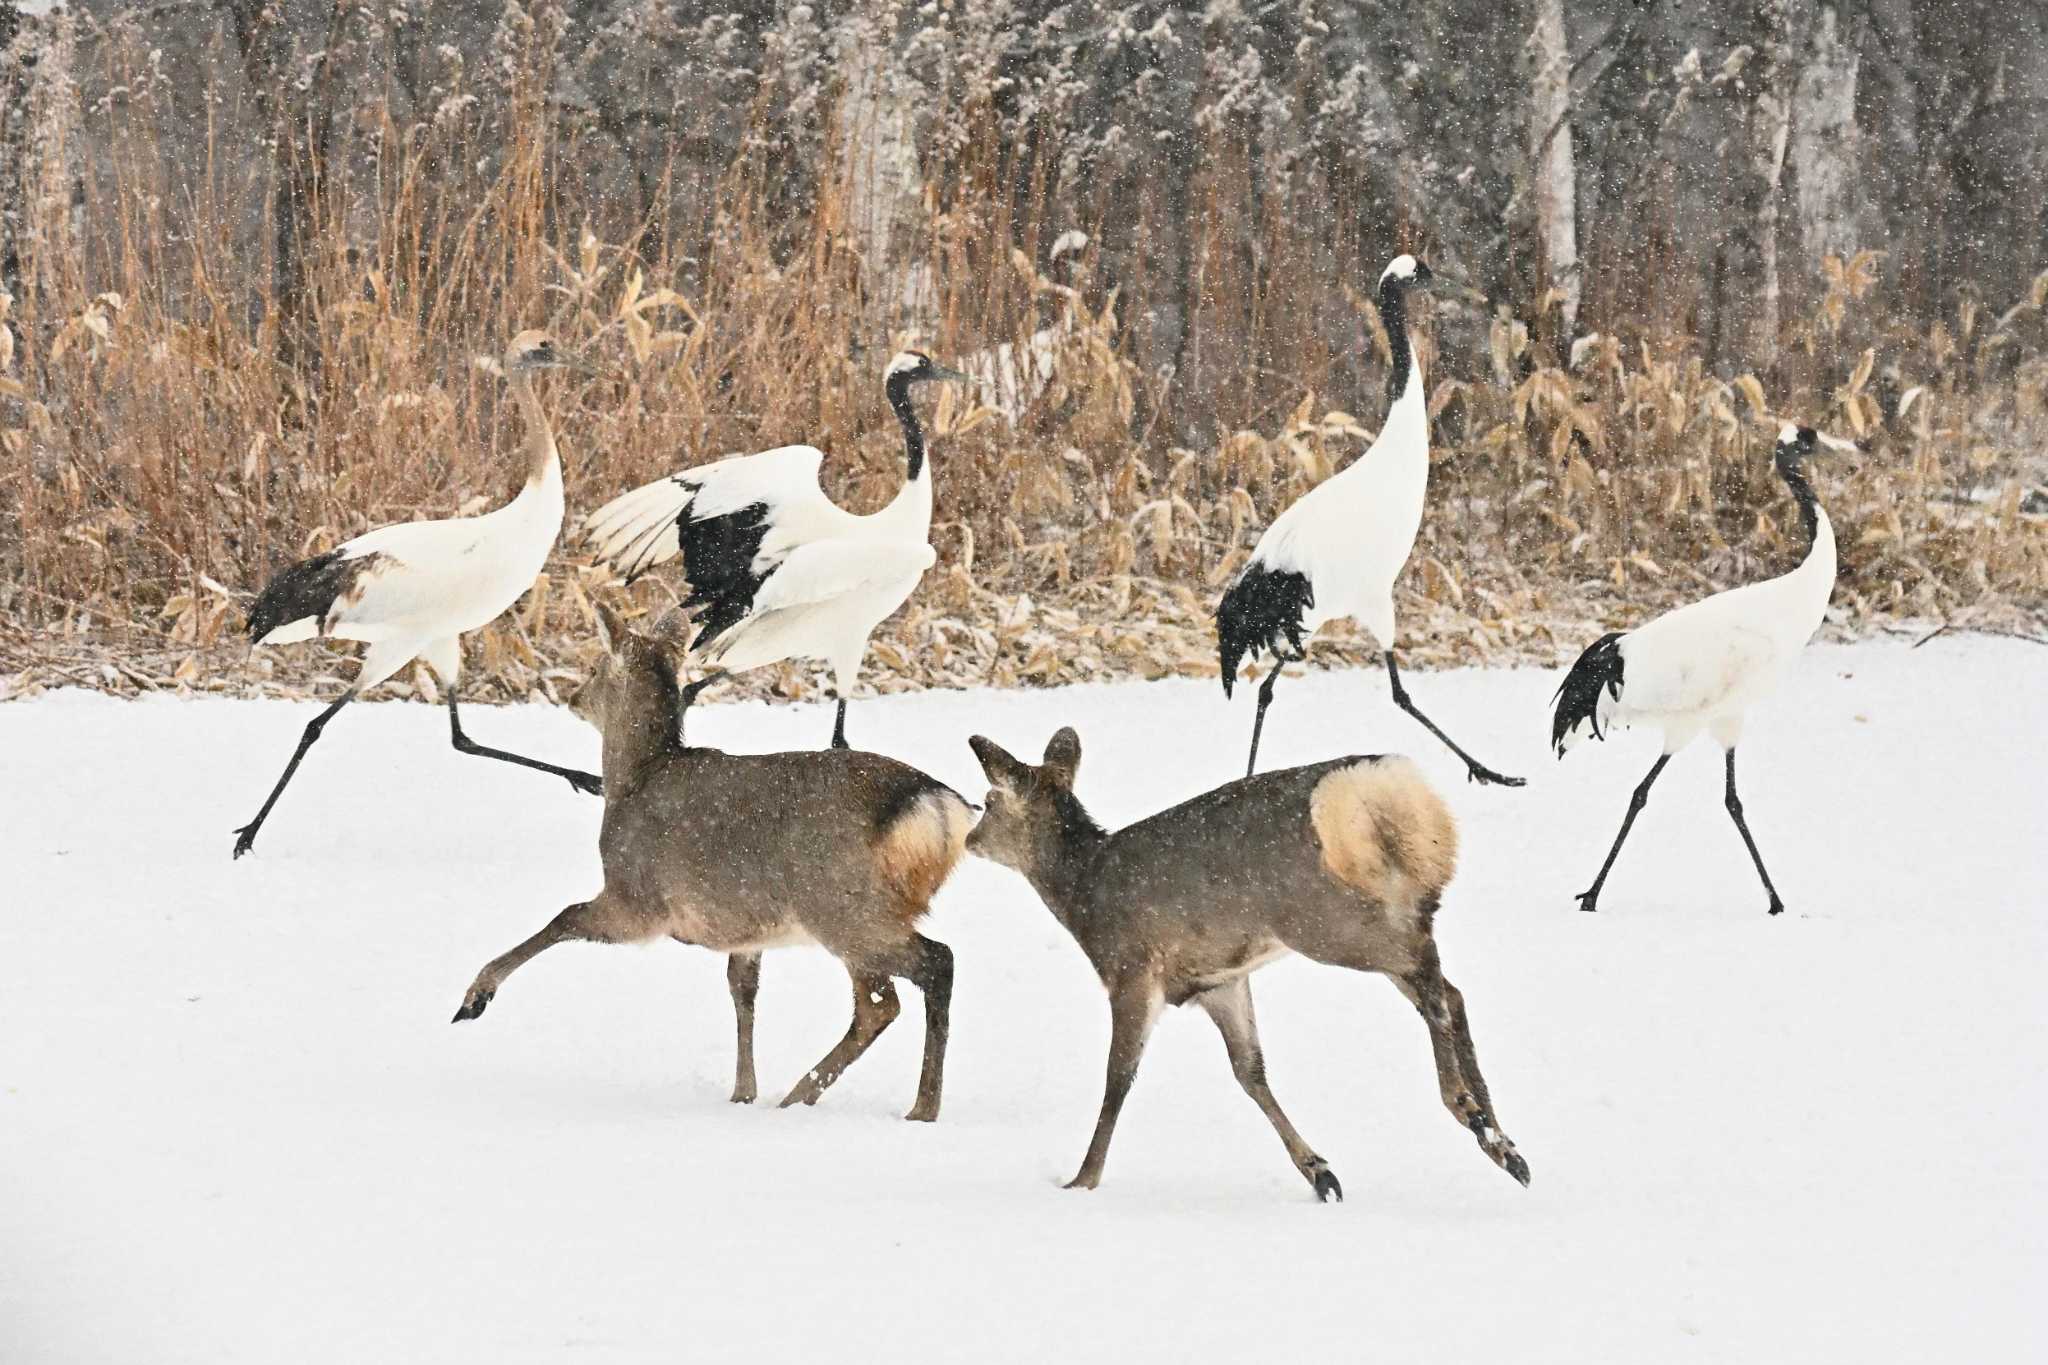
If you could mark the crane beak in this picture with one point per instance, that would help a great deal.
(941, 372)
(690, 690)
(1842, 444)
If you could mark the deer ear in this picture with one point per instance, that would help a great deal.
(996, 761)
(672, 629)
(610, 628)
(1063, 756)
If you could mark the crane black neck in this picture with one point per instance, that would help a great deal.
(1802, 493)
(1394, 315)
(898, 388)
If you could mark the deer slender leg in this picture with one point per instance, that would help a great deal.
(1231, 1008)
(839, 726)
(1589, 899)
(594, 921)
(743, 979)
(1259, 717)
(875, 1007)
(1457, 1067)
(245, 837)
(1474, 769)
(589, 783)
(932, 973)
(1133, 1009)
(1734, 803)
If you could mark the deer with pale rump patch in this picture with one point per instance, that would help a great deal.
(742, 853)
(1344, 862)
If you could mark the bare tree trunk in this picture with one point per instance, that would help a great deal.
(1893, 93)
(1770, 129)
(294, 94)
(1826, 151)
(16, 64)
(880, 170)
(41, 187)
(1764, 74)
(1553, 175)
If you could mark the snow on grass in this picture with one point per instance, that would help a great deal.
(236, 1124)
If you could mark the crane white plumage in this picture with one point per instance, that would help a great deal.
(1700, 668)
(411, 591)
(779, 569)
(1337, 550)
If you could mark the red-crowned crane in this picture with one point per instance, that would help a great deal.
(781, 570)
(1336, 552)
(1700, 668)
(411, 591)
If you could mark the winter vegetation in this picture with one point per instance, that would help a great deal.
(257, 258)
(1057, 367)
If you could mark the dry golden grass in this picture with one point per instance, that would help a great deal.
(161, 463)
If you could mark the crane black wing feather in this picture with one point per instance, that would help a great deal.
(307, 589)
(1263, 608)
(718, 562)
(1578, 696)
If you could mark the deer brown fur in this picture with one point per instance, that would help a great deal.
(1344, 862)
(741, 853)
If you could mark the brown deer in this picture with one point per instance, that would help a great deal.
(741, 853)
(1344, 862)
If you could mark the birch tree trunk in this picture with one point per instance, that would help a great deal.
(41, 194)
(1826, 148)
(1553, 175)
(1769, 133)
(15, 65)
(880, 171)
(1764, 80)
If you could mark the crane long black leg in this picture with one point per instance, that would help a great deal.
(245, 837)
(1259, 720)
(839, 727)
(1735, 810)
(1474, 769)
(1590, 897)
(590, 783)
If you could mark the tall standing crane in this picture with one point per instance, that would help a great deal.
(1337, 551)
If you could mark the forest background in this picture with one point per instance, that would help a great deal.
(256, 259)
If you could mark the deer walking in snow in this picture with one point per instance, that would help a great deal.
(1344, 862)
(742, 853)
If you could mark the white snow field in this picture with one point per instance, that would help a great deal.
(237, 1125)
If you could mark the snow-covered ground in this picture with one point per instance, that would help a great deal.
(236, 1124)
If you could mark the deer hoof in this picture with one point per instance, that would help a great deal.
(473, 1006)
(1516, 1167)
(1328, 1191)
